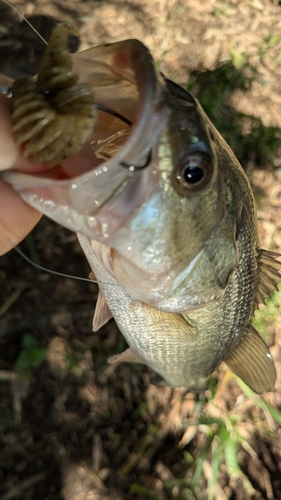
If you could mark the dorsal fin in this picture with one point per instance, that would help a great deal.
(102, 313)
(252, 362)
(269, 275)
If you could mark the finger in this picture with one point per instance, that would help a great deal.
(11, 156)
(9, 151)
(17, 218)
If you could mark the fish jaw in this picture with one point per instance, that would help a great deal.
(123, 79)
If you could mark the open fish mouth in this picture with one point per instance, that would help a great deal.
(129, 97)
(140, 181)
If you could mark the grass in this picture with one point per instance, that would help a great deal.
(30, 356)
(246, 134)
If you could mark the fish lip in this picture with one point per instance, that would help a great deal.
(129, 60)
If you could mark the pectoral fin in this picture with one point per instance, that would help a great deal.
(269, 275)
(252, 362)
(102, 313)
(127, 356)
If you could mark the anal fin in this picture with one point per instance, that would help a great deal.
(127, 356)
(252, 362)
(102, 313)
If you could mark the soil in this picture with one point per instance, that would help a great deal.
(74, 427)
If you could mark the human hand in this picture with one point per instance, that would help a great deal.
(17, 218)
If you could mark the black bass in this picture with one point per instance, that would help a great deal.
(165, 216)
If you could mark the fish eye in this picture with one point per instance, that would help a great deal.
(194, 173)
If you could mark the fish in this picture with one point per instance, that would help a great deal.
(166, 218)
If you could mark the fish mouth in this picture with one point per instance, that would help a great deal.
(129, 98)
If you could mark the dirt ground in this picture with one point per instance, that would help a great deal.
(72, 427)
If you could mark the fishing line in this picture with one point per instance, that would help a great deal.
(123, 164)
(24, 18)
(41, 268)
(50, 271)
(46, 269)
(113, 113)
